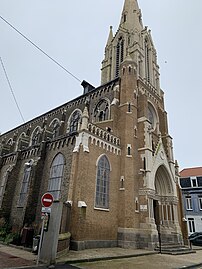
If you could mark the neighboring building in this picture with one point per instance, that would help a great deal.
(106, 156)
(191, 186)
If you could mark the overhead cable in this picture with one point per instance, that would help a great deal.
(11, 89)
(37, 47)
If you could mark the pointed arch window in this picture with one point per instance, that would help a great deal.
(56, 175)
(147, 56)
(22, 142)
(74, 121)
(119, 55)
(36, 137)
(25, 185)
(55, 128)
(101, 111)
(3, 186)
(152, 116)
(102, 183)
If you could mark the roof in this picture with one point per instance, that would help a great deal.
(191, 172)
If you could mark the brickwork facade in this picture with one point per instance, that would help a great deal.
(107, 156)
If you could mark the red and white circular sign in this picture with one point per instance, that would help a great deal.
(47, 199)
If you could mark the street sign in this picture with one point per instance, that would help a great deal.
(46, 210)
(47, 199)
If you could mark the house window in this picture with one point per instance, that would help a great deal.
(56, 175)
(3, 186)
(188, 203)
(102, 183)
(200, 202)
(25, 186)
(194, 182)
(191, 225)
(74, 121)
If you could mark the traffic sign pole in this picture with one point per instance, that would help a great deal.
(40, 242)
(46, 201)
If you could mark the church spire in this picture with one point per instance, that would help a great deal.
(131, 16)
(134, 40)
(110, 36)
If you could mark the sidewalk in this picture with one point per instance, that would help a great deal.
(90, 255)
(26, 258)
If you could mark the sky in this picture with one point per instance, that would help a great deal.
(75, 33)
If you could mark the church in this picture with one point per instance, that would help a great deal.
(106, 156)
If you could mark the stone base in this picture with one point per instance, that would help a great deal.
(145, 238)
(139, 239)
(88, 244)
(148, 238)
(170, 236)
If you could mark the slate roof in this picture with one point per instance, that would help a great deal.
(191, 172)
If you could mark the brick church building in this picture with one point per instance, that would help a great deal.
(106, 156)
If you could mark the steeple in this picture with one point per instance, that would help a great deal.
(131, 17)
(132, 39)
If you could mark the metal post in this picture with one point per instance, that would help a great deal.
(40, 242)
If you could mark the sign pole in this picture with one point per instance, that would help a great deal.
(40, 242)
(46, 201)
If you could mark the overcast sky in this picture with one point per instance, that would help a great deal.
(74, 33)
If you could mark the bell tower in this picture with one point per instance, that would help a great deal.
(149, 197)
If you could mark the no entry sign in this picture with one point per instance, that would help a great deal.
(47, 199)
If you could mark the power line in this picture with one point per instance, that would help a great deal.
(37, 47)
(11, 89)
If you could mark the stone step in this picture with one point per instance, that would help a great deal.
(175, 249)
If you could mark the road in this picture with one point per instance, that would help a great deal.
(57, 266)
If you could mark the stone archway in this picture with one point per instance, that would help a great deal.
(164, 204)
(164, 195)
(163, 182)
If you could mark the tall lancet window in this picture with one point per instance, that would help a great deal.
(25, 184)
(3, 186)
(56, 176)
(102, 183)
(119, 55)
(147, 69)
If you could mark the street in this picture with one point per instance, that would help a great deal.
(57, 266)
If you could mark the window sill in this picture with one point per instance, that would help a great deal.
(101, 209)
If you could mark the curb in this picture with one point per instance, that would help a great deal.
(191, 266)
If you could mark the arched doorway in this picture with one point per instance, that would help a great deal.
(165, 209)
